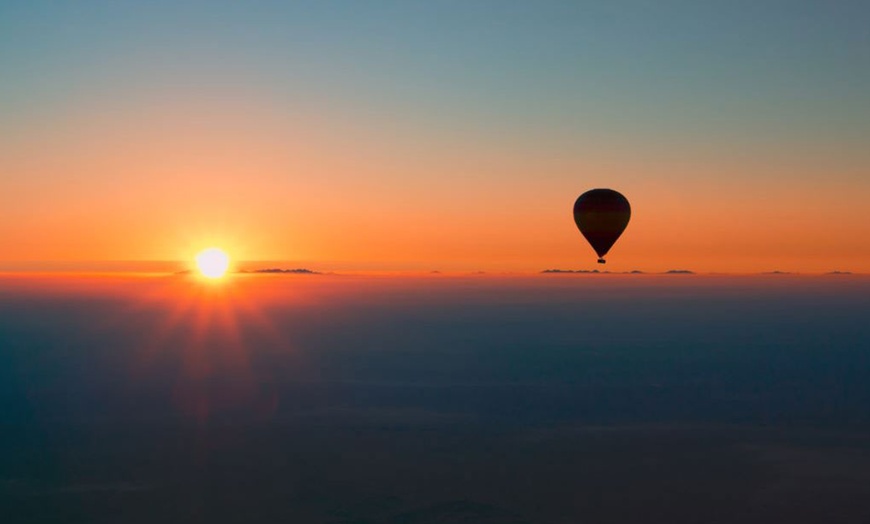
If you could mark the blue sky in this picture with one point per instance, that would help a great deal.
(792, 69)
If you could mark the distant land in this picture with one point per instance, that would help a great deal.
(268, 270)
(294, 271)
(633, 272)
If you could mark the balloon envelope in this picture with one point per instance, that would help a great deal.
(601, 215)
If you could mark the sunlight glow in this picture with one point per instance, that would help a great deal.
(213, 262)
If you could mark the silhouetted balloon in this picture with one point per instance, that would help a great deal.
(601, 215)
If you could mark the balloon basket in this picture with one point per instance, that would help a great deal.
(602, 261)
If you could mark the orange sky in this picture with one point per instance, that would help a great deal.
(346, 157)
(160, 180)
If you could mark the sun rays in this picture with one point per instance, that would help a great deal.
(204, 336)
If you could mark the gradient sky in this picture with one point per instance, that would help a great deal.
(436, 135)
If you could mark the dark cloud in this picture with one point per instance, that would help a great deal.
(438, 400)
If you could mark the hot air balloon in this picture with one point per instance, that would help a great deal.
(601, 215)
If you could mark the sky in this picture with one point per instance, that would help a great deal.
(435, 135)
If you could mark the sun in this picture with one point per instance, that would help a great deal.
(213, 262)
